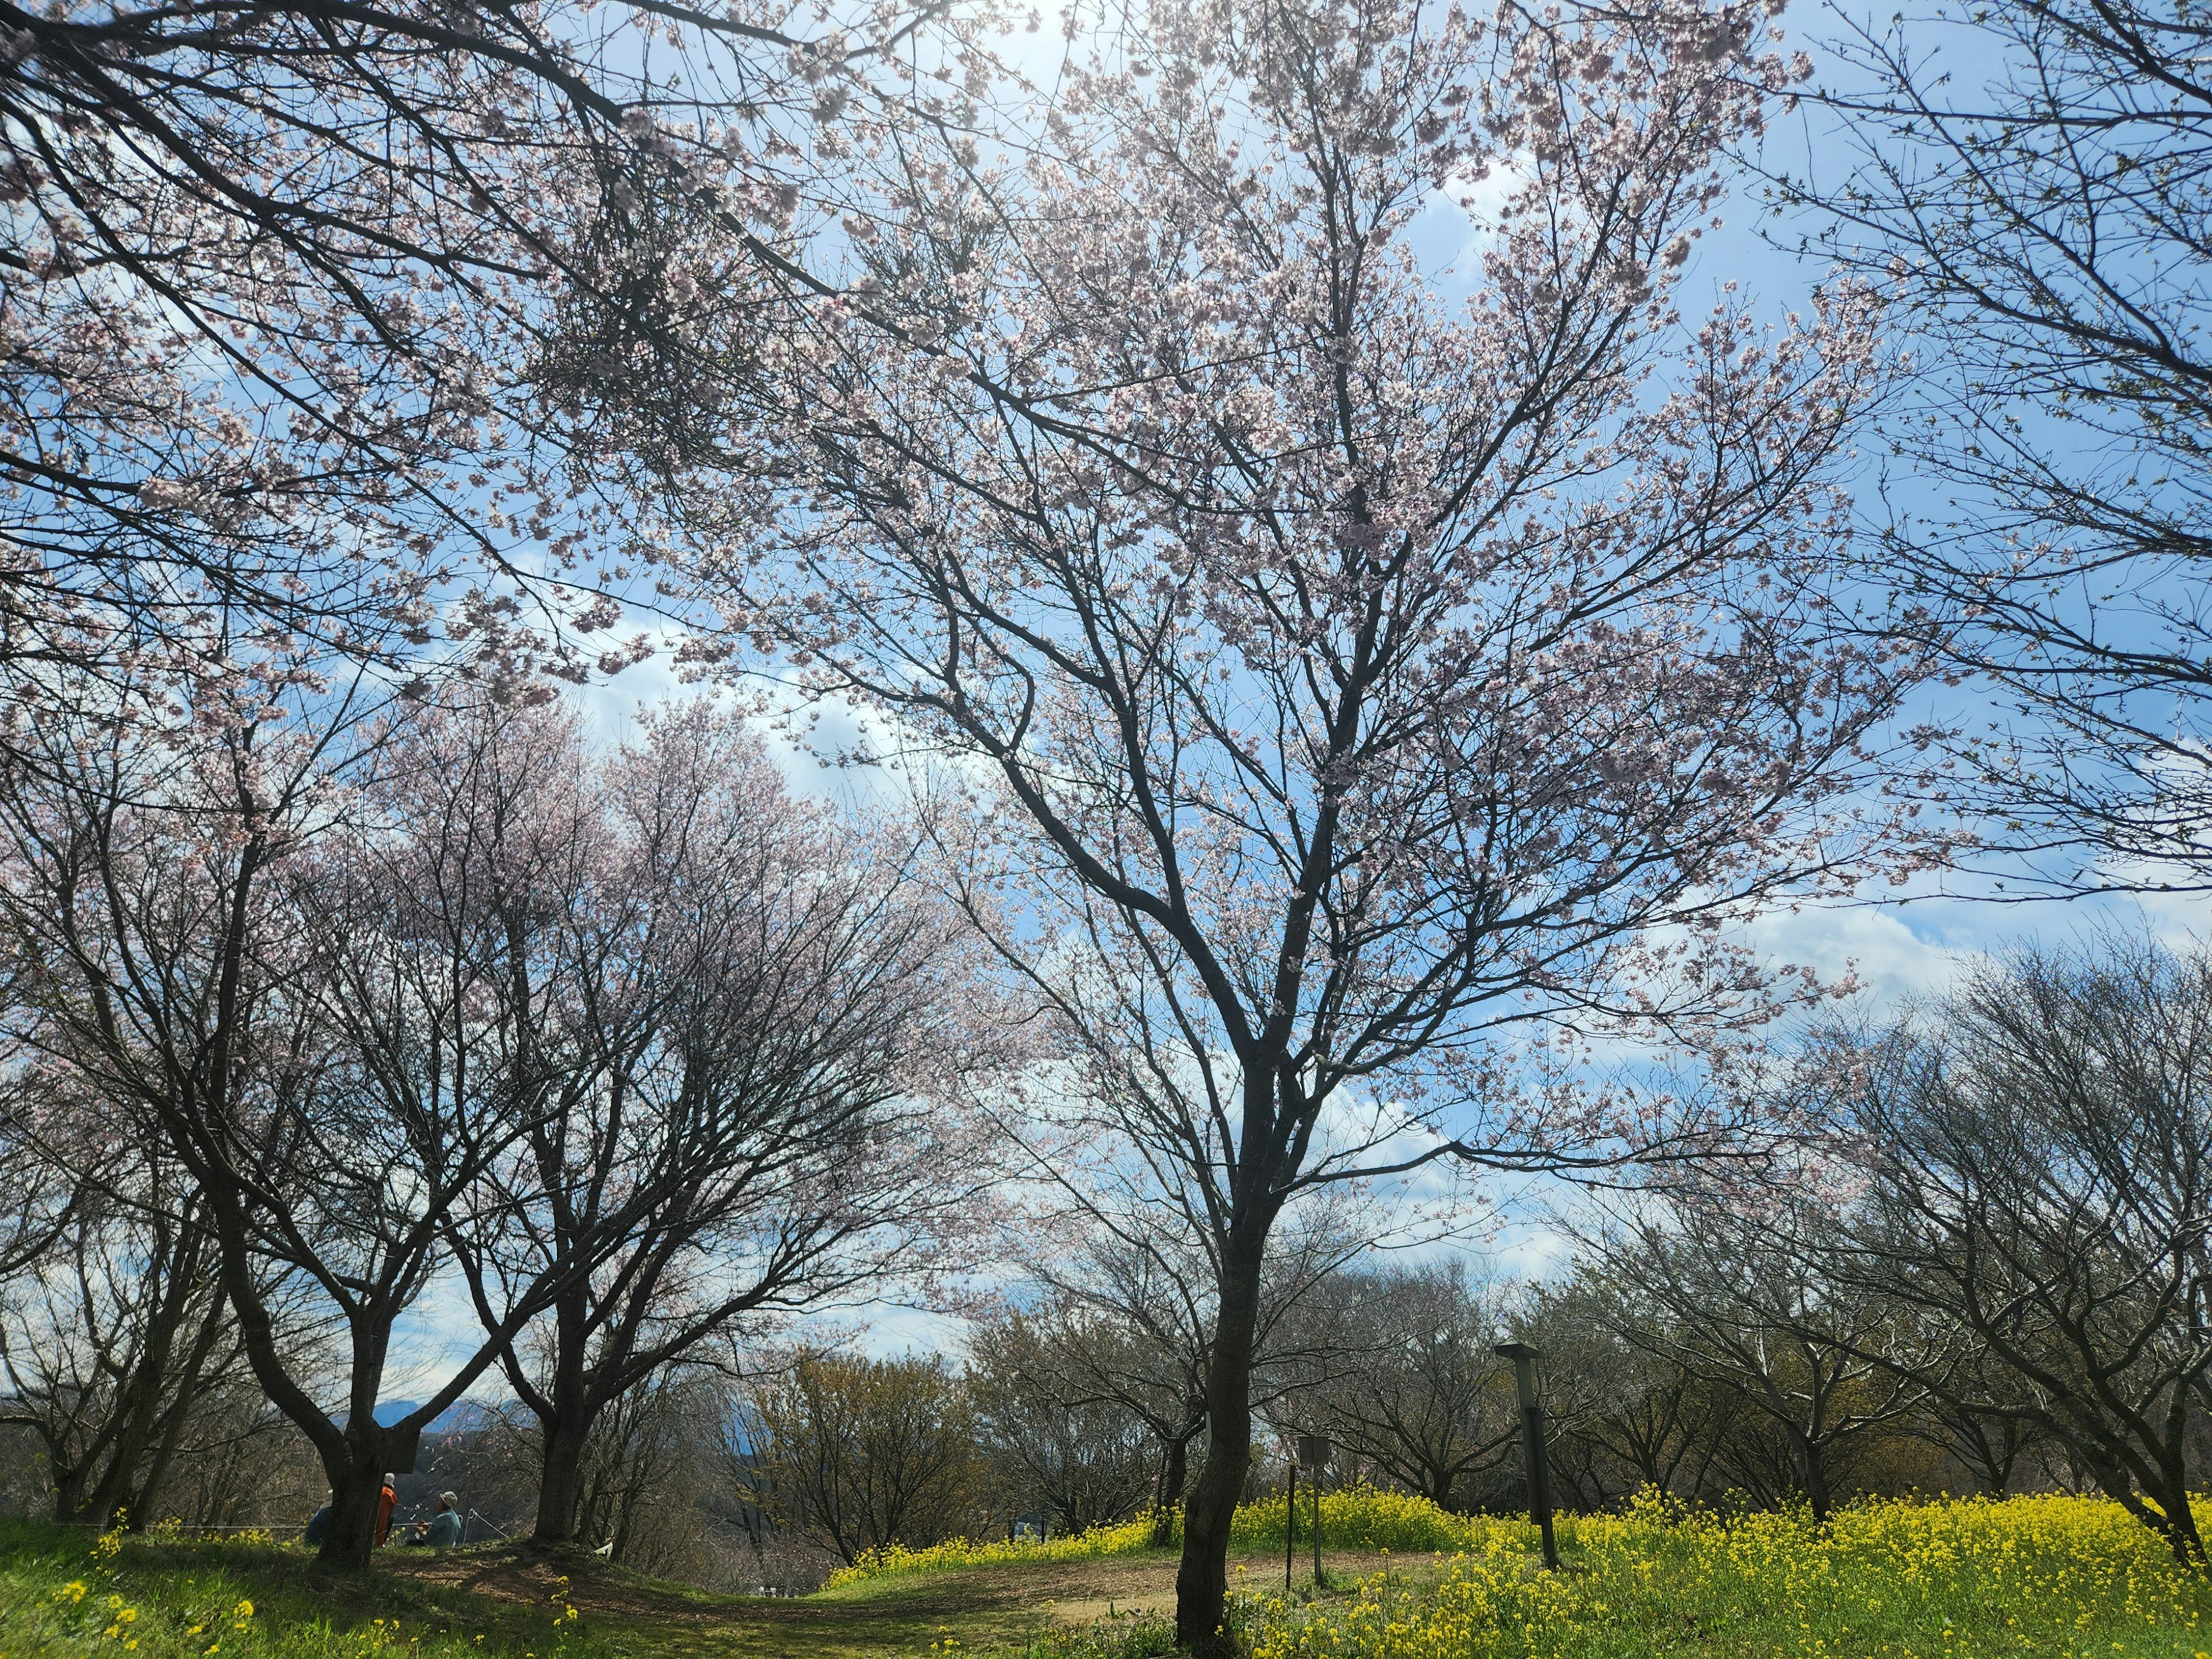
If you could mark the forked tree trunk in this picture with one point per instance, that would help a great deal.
(356, 1465)
(160, 1416)
(69, 1490)
(2164, 1481)
(565, 1411)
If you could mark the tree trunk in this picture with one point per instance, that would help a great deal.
(565, 1411)
(2171, 1494)
(356, 1466)
(1813, 1476)
(351, 1536)
(69, 1489)
(1173, 1479)
(561, 1477)
(2181, 1534)
(1202, 1580)
(146, 1450)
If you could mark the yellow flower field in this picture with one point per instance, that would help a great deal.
(1358, 1519)
(896, 1560)
(1968, 1579)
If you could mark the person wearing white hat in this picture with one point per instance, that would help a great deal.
(442, 1530)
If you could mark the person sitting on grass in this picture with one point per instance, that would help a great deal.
(442, 1530)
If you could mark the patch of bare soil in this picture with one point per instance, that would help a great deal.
(1076, 1592)
(524, 1574)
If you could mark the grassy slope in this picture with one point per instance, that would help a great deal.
(510, 1602)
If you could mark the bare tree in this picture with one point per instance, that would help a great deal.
(1127, 1344)
(1989, 1446)
(1131, 1301)
(1078, 1455)
(248, 1465)
(1408, 1379)
(109, 1341)
(747, 1068)
(1730, 1289)
(641, 1445)
(2040, 1160)
(2029, 178)
(863, 1453)
(1626, 1407)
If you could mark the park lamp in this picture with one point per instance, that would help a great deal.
(1532, 1443)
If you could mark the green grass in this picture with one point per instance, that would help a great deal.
(2046, 1578)
(61, 1594)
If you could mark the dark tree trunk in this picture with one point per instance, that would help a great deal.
(351, 1536)
(2169, 1491)
(356, 1466)
(1173, 1479)
(1202, 1580)
(1988, 1450)
(565, 1410)
(1812, 1475)
(561, 1477)
(149, 1444)
(2181, 1534)
(69, 1489)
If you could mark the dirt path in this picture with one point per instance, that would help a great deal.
(997, 1606)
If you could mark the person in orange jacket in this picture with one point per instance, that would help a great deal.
(385, 1500)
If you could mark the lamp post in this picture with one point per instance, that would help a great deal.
(1532, 1443)
(1314, 1451)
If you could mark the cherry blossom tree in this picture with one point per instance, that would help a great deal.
(764, 1011)
(352, 966)
(1335, 672)
(158, 970)
(305, 305)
